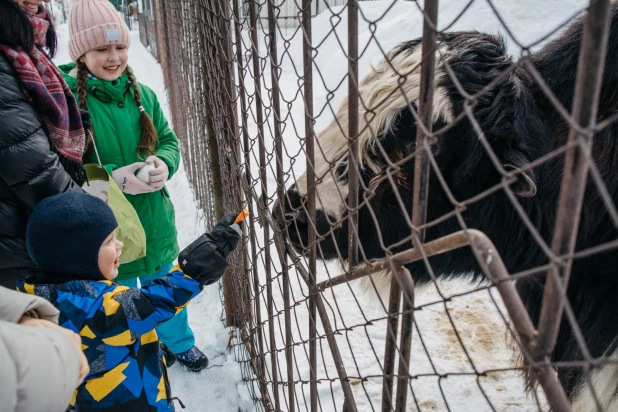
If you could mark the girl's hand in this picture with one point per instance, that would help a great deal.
(159, 175)
(127, 181)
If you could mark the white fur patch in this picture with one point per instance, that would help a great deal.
(390, 87)
(604, 381)
(377, 284)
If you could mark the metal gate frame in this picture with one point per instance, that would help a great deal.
(214, 44)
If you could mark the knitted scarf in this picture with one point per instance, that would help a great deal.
(49, 94)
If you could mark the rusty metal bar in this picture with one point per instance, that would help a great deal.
(311, 206)
(230, 89)
(445, 244)
(425, 113)
(184, 79)
(213, 150)
(353, 152)
(494, 268)
(197, 115)
(231, 303)
(235, 148)
(435, 247)
(420, 191)
(289, 348)
(392, 328)
(405, 344)
(274, 76)
(254, 250)
(188, 25)
(274, 59)
(282, 249)
(167, 70)
(587, 91)
(257, 75)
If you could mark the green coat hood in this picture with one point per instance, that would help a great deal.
(115, 122)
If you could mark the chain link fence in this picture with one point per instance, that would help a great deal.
(374, 169)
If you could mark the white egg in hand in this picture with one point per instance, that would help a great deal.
(144, 173)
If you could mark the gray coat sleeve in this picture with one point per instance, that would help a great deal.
(39, 365)
(14, 305)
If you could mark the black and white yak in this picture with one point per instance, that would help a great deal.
(521, 125)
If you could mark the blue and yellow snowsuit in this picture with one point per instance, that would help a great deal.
(116, 323)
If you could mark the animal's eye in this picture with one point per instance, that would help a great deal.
(341, 170)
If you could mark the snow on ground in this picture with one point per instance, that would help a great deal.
(447, 375)
(220, 388)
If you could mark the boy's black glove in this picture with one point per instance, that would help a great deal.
(205, 260)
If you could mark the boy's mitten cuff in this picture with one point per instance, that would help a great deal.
(202, 260)
(224, 223)
(226, 234)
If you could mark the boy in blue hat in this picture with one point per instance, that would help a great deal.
(71, 237)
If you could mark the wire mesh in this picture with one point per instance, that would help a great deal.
(417, 222)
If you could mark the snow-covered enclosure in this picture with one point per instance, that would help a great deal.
(448, 378)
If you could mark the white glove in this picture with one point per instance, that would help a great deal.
(128, 183)
(158, 175)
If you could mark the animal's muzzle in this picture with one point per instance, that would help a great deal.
(293, 219)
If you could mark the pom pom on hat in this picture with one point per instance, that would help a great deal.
(93, 24)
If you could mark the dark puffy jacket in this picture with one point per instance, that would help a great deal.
(29, 172)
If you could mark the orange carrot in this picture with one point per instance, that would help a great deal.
(242, 216)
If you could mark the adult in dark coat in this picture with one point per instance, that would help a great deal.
(41, 132)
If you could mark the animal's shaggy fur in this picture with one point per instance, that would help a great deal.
(521, 125)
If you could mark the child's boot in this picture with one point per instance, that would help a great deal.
(193, 359)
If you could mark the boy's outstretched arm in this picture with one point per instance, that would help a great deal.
(128, 313)
(138, 311)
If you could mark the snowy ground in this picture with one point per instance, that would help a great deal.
(473, 318)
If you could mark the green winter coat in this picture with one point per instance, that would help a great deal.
(117, 133)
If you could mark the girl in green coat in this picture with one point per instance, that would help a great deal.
(130, 132)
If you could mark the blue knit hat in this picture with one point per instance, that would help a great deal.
(65, 233)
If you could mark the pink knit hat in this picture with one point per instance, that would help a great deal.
(92, 24)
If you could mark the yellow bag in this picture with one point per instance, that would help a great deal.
(130, 230)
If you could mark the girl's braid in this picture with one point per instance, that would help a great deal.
(82, 98)
(82, 90)
(149, 141)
